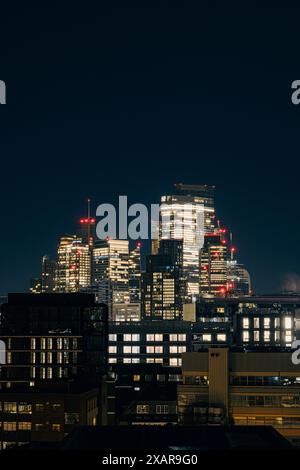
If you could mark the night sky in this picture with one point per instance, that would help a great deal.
(125, 98)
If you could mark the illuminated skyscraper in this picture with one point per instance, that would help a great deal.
(162, 283)
(87, 227)
(48, 274)
(238, 279)
(111, 264)
(134, 274)
(73, 265)
(213, 265)
(188, 226)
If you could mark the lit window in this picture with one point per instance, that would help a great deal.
(112, 360)
(256, 322)
(288, 323)
(256, 335)
(173, 338)
(136, 378)
(162, 409)
(131, 349)
(175, 361)
(112, 337)
(245, 323)
(245, 336)
(266, 336)
(267, 322)
(288, 336)
(10, 407)
(221, 337)
(142, 409)
(24, 426)
(112, 349)
(9, 426)
(24, 408)
(127, 338)
(56, 427)
(182, 337)
(220, 309)
(207, 337)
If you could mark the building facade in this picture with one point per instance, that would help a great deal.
(258, 388)
(201, 200)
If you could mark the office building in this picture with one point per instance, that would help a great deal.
(48, 274)
(134, 274)
(161, 289)
(38, 415)
(226, 387)
(111, 269)
(189, 226)
(213, 265)
(73, 265)
(52, 337)
(238, 279)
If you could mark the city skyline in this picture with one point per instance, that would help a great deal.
(82, 229)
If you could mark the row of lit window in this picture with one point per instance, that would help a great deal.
(25, 408)
(159, 409)
(276, 421)
(48, 358)
(149, 337)
(149, 349)
(288, 322)
(47, 372)
(48, 343)
(287, 401)
(288, 337)
(173, 361)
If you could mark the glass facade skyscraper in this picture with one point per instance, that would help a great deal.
(187, 225)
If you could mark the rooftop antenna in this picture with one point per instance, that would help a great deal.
(89, 220)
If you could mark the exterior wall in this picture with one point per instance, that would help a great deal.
(272, 399)
(27, 417)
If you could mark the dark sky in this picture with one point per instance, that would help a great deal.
(124, 98)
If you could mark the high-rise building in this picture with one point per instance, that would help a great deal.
(87, 227)
(188, 225)
(238, 279)
(111, 266)
(161, 289)
(134, 274)
(213, 265)
(54, 337)
(73, 265)
(48, 274)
